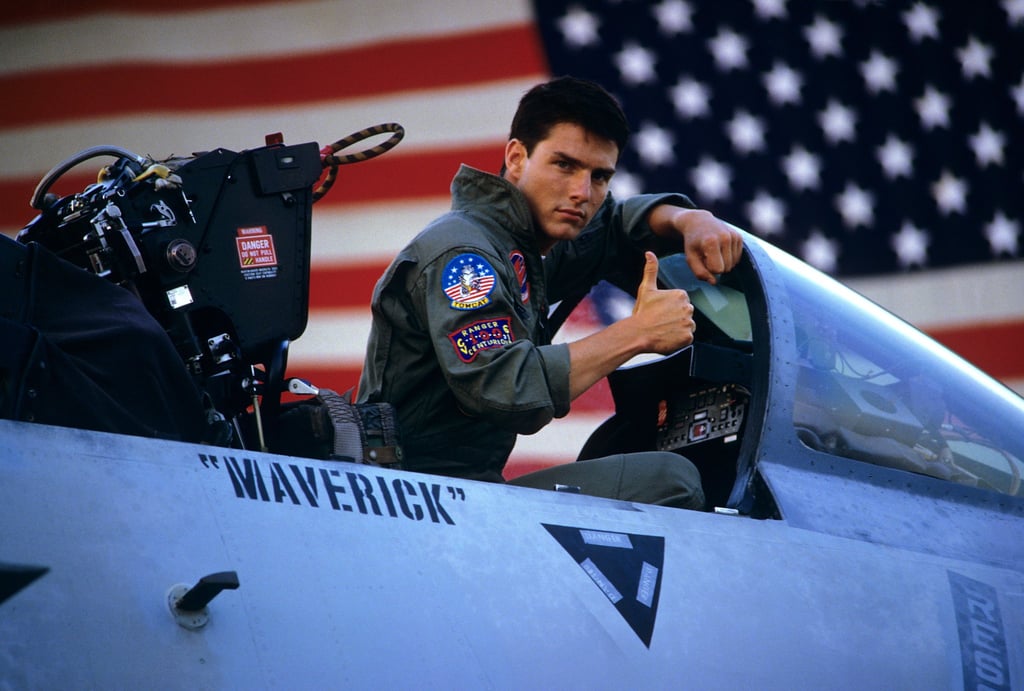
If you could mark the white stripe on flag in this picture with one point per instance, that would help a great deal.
(245, 30)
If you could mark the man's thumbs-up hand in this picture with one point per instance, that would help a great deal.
(663, 317)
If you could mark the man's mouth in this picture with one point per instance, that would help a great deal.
(573, 215)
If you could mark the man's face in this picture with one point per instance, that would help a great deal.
(565, 179)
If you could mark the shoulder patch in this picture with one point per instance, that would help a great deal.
(519, 264)
(468, 281)
(481, 335)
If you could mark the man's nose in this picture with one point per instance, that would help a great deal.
(581, 186)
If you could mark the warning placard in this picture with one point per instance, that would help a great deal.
(255, 248)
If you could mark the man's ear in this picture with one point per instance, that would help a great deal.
(515, 158)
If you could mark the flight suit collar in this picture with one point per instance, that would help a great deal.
(473, 190)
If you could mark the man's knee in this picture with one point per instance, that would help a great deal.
(655, 477)
(663, 478)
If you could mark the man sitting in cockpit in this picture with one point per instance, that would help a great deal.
(460, 344)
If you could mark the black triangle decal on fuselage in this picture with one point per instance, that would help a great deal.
(14, 577)
(625, 566)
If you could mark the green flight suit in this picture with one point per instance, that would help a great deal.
(459, 343)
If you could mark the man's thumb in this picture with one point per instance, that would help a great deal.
(650, 277)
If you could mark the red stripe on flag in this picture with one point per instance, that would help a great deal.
(997, 348)
(384, 67)
(25, 12)
(598, 398)
(345, 287)
(417, 175)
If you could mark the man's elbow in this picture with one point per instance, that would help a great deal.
(521, 419)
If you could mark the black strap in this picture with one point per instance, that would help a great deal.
(349, 438)
(365, 432)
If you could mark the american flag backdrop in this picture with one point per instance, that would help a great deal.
(879, 141)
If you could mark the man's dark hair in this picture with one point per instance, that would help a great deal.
(569, 100)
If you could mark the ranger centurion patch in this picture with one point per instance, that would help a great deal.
(469, 281)
(481, 335)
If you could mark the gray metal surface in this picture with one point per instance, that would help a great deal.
(429, 582)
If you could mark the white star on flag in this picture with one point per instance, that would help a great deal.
(746, 132)
(820, 252)
(1015, 11)
(975, 58)
(690, 98)
(712, 179)
(988, 145)
(729, 49)
(838, 122)
(770, 9)
(655, 144)
(579, 27)
(950, 193)
(896, 157)
(674, 17)
(856, 206)
(803, 169)
(933, 107)
(922, 22)
(783, 84)
(879, 73)
(767, 214)
(825, 38)
(910, 245)
(636, 64)
(1003, 235)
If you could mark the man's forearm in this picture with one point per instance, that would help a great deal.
(712, 246)
(596, 356)
(662, 322)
